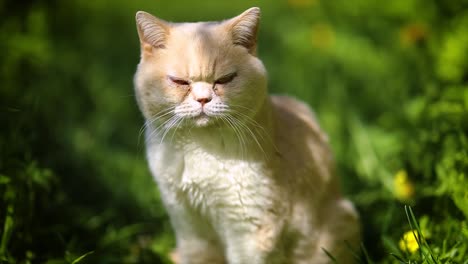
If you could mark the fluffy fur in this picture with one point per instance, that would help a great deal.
(245, 177)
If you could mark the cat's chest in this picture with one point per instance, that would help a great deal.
(218, 184)
(212, 172)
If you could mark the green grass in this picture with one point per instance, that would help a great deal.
(387, 80)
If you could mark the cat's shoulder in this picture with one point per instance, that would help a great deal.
(291, 104)
(295, 113)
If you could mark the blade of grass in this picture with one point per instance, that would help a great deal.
(419, 237)
(416, 236)
(333, 259)
(7, 230)
(400, 259)
(366, 254)
(82, 257)
(423, 239)
(355, 254)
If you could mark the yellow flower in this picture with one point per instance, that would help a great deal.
(408, 242)
(403, 187)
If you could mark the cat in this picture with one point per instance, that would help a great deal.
(245, 177)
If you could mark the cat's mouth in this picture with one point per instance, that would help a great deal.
(202, 119)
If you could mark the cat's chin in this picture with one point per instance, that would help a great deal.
(202, 120)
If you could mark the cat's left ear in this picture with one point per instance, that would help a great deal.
(244, 29)
(152, 31)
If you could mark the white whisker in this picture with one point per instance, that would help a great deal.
(238, 134)
(180, 121)
(173, 121)
(157, 117)
(161, 128)
(254, 136)
(263, 133)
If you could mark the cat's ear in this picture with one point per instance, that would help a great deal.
(152, 31)
(244, 29)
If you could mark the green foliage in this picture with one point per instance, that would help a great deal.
(388, 81)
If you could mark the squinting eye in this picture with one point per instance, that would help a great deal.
(178, 81)
(226, 78)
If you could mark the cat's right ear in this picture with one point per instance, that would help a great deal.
(244, 29)
(152, 32)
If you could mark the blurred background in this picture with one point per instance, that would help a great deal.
(387, 79)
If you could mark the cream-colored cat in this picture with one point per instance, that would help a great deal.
(246, 177)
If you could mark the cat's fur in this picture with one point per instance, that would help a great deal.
(245, 177)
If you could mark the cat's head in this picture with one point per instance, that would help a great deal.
(201, 73)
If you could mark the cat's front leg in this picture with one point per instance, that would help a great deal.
(197, 250)
(196, 241)
(252, 242)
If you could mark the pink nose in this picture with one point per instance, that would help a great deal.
(203, 101)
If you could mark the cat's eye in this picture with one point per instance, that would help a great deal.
(226, 78)
(178, 81)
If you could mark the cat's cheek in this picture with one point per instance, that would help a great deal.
(175, 94)
(219, 91)
(236, 92)
(229, 96)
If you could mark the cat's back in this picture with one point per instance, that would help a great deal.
(302, 145)
(297, 114)
(295, 118)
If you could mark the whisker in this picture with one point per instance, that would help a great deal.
(263, 133)
(180, 121)
(246, 127)
(157, 116)
(170, 125)
(244, 108)
(238, 134)
(162, 127)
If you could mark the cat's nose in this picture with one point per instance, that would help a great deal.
(203, 101)
(202, 92)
